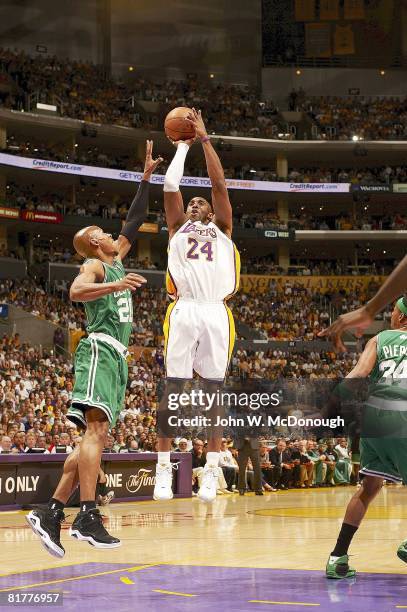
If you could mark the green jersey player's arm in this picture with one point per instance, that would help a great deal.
(138, 210)
(366, 362)
(89, 285)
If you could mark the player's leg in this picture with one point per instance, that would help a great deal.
(163, 475)
(179, 350)
(104, 496)
(46, 522)
(88, 524)
(375, 466)
(338, 562)
(108, 373)
(216, 341)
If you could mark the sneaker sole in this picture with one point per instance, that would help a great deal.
(158, 498)
(402, 556)
(35, 524)
(78, 536)
(206, 500)
(335, 577)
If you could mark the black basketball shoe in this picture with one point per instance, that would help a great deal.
(88, 526)
(46, 524)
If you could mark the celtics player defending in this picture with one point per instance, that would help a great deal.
(100, 370)
(203, 272)
(382, 445)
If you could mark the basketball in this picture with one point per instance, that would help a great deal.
(175, 126)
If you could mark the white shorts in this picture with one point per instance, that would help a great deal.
(199, 336)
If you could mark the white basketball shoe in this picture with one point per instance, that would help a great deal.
(163, 482)
(207, 490)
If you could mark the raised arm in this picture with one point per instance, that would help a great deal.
(138, 209)
(173, 202)
(360, 319)
(220, 196)
(89, 286)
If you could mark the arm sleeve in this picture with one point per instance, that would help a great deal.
(137, 212)
(175, 170)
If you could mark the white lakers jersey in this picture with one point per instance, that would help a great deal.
(203, 263)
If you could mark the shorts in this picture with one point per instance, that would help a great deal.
(100, 381)
(385, 458)
(199, 336)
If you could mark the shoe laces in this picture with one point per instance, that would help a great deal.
(96, 517)
(55, 525)
(209, 473)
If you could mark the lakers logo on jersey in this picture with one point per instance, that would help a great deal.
(203, 263)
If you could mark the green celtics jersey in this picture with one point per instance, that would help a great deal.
(389, 376)
(111, 314)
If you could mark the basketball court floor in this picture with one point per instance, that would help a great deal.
(240, 553)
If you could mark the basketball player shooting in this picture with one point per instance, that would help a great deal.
(100, 370)
(383, 443)
(203, 272)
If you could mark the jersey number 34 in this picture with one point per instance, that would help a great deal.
(389, 369)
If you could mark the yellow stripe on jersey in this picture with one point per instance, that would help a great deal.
(232, 332)
(237, 268)
(236, 259)
(166, 327)
(170, 285)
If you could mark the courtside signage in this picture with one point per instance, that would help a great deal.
(41, 217)
(158, 179)
(9, 213)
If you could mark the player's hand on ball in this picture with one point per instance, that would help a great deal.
(358, 320)
(131, 281)
(195, 119)
(150, 164)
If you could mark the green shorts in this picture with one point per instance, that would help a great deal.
(386, 458)
(100, 381)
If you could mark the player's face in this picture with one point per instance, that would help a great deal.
(199, 210)
(398, 319)
(105, 242)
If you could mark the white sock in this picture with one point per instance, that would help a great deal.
(163, 457)
(212, 459)
(175, 170)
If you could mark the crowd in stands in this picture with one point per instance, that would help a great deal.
(98, 203)
(36, 391)
(368, 118)
(288, 311)
(93, 156)
(81, 91)
(319, 267)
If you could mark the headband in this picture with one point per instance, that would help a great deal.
(402, 306)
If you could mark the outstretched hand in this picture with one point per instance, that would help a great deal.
(150, 164)
(195, 119)
(358, 320)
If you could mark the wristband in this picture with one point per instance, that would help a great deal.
(205, 139)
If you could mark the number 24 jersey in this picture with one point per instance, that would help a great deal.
(203, 263)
